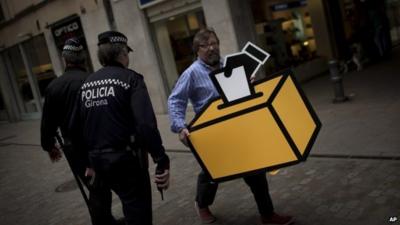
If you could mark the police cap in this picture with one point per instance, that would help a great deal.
(73, 44)
(113, 37)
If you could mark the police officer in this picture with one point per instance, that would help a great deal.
(60, 98)
(119, 128)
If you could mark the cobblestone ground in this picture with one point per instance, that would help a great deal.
(323, 191)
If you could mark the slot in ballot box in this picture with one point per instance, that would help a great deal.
(273, 128)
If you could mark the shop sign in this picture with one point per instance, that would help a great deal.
(65, 29)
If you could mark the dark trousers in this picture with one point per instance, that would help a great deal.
(100, 197)
(206, 191)
(123, 173)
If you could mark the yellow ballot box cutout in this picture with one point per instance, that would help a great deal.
(272, 127)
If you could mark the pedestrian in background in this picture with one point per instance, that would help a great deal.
(118, 128)
(60, 98)
(195, 85)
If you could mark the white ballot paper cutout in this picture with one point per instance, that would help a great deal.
(233, 83)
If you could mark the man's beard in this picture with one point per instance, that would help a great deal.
(213, 59)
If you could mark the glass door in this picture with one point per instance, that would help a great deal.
(20, 82)
(42, 69)
(30, 71)
(174, 37)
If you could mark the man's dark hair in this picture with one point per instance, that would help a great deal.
(75, 58)
(202, 36)
(108, 53)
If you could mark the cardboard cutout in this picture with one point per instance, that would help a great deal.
(261, 126)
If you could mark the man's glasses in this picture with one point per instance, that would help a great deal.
(207, 46)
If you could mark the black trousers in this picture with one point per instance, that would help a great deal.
(206, 191)
(122, 172)
(100, 197)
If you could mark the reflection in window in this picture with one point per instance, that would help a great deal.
(285, 30)
(181, 32)
(21, 79)
(37, 52)
(20, 73)
(174, 38)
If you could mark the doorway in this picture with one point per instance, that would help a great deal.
(174, 37)
(29, 71)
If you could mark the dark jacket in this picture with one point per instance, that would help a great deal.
(114, 107)
(60, 99)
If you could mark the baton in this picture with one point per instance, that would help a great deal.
(78, 181)
(158, 188)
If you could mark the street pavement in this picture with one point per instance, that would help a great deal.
(351, 178)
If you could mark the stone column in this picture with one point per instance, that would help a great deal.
(233, 22)
(131, 21)
(218, 16)
(321, 28)
(94, 21)
(55, 58)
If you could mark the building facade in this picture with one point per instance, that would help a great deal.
(298, 34)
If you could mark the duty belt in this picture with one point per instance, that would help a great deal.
(109, 150)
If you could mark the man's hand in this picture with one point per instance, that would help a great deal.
(162, 180)
(252, 79)
(55, 154)
(183, 134)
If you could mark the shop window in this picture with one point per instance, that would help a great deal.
(70, 27)
(174, 38)
(37, 52)
(20, 78)
(284, 29)
(181, 32)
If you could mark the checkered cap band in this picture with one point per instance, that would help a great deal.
(73, 48)
(118, 39)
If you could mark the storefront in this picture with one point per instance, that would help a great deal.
(70, 27)
(284, 29)
(173, 31)
(29, 70)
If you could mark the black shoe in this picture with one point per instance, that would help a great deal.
(277, 219)
(120, 221)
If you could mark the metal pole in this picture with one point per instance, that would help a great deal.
(337, 81)
(77, 179)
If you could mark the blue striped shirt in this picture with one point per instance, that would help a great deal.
(195, 85)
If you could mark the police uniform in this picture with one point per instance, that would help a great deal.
(60, 99)
(118, 123)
